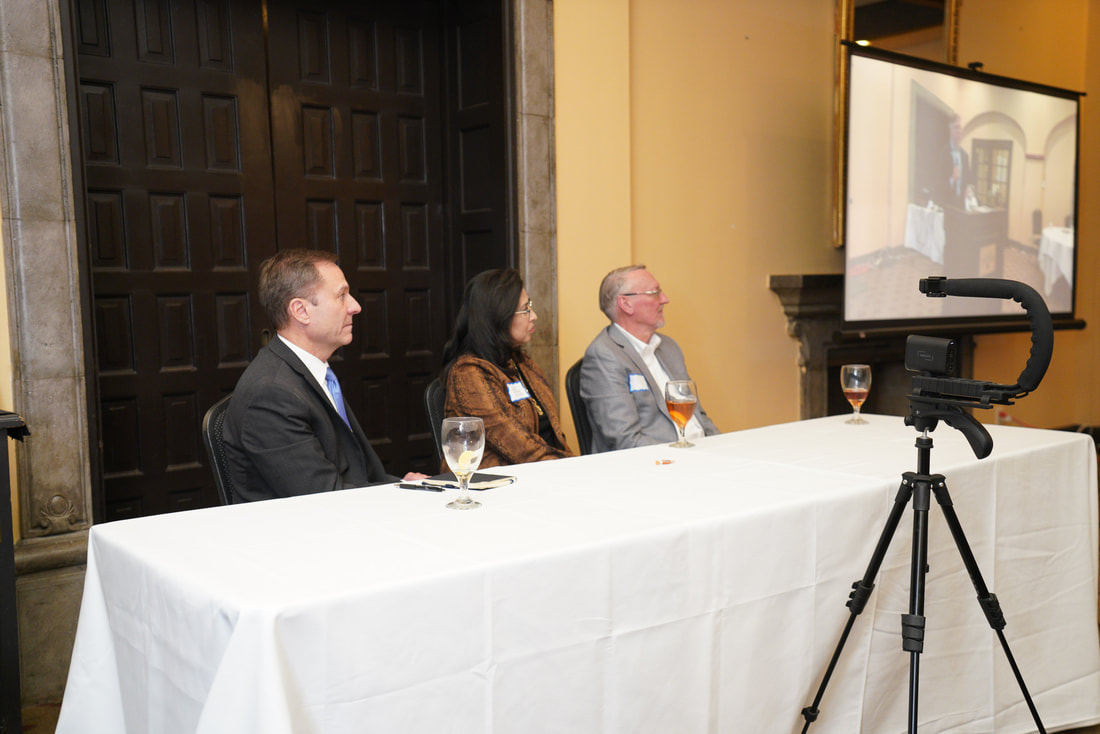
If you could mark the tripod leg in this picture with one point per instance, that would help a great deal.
(986, 599)
(861, 590)
(912, 624)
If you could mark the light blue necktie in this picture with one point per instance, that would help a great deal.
(334, 389)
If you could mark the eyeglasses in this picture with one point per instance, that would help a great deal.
(527, 311)
(656, 292)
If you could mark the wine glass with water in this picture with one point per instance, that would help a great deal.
(855, 381)
(463, 442)
(680, 400)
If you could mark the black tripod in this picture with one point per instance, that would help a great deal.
(938, 396)
(919, 486)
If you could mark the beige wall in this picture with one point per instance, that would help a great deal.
(717, 175)
(592, 129)
(723, 181)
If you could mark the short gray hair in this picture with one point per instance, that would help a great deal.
(612, 286)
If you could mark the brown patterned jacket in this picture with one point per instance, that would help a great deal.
(476, 387)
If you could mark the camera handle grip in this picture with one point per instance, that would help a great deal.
(1038, 315)
(924, 413)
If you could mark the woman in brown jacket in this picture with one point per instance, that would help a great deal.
(487, 374)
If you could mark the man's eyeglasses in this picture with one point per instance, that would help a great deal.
(527, 311)
(656, 292)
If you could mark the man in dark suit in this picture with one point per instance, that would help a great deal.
(287, 430)
(626, 366)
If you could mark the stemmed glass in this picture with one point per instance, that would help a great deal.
(681, 400)
(855, 380)
(463, 444)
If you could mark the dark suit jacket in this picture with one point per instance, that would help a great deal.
(283, 437)
(478, 388)
(622, 418)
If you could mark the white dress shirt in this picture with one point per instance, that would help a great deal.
(648, 353)
(316, 367)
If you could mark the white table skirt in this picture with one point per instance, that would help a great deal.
(610, 593)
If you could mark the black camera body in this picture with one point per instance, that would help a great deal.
(932, 356)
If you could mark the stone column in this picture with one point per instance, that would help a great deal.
(46, 323)
(533, 90)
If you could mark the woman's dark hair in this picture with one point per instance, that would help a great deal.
(484, 324)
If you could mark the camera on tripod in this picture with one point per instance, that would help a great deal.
(938, 394)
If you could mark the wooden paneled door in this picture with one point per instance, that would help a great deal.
(357, 131)
(214, 132)
(179, 209)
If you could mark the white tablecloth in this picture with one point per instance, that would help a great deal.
(1056, 256)
(610, 593)
(924, 231)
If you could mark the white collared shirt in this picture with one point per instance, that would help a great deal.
(316, 367)
(648, 353)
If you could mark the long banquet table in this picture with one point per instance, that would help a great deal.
(609, 593)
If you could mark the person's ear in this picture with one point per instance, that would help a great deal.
(626, 306)
(298, 308)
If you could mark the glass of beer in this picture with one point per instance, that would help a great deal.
(681, 400)
(855, 381)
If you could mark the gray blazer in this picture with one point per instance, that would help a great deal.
(283, 437)
(620, 418)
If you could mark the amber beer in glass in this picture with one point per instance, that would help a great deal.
(680, 399)
(855, 381)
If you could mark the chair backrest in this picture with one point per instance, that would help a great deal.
(433, 406)
(1037, 221)
(212, 438)
(576, 406)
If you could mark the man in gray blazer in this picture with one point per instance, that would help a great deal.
(287, 430)
(626, 366)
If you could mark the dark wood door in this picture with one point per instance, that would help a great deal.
(357, 130)
(478, 120)
(214, 132)
(179, 209)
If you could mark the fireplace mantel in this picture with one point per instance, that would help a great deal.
(813, 305)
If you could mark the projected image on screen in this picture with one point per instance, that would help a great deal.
(959, 177)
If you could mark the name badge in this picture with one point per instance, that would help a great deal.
(636, 382)
(517, 391)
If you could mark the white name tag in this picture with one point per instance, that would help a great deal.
(517, 391)
(636, 382)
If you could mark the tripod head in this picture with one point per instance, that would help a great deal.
(937, 395)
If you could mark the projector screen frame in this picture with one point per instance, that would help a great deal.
(858, 322)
